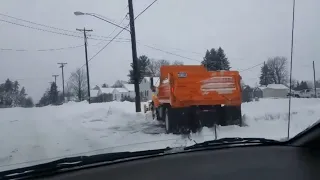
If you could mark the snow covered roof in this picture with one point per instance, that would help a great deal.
(129, 87)
(94, 93)
(121, 90)
(277, 86)
(107, 90)
(262, 87)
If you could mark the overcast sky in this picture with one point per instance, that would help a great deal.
(249, 31)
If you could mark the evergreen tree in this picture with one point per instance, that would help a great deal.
(301, 86)
(104, 85)
(216, 60)
(265, 77)
(225, 65)
(8, 86)
(53, 94)
(29, 102)
(143, 64)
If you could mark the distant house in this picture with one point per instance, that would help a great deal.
(94, 93)
(107, 91)
(145, 91)
(127, 90)
(258, 92)
(272, 91)
(247, 94)
(120, 93)
(130, 89)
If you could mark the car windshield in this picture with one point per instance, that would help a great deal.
(90, 77)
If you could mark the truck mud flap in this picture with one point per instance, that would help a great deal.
(231, 116)
(181, 118)
(208, 116)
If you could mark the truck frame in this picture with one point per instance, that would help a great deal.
(190, 97)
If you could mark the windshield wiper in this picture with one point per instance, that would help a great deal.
(74, 162)
(233, 141)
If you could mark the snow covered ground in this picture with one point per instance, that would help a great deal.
(35, 135)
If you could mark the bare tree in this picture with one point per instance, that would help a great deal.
(278, 68)
(177, 62)
(154, 66)
(78, 84)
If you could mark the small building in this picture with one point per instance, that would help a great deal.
(145, 91)
(247, 94)
(119, 93)
(258, 92)
(275, 91)
(130, 89)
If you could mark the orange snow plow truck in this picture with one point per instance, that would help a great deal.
(190, 97)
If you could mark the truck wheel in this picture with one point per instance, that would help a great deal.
(232, 116)
(169, 121)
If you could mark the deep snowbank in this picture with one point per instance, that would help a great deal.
(38, 135)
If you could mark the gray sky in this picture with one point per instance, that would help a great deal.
(249, 31)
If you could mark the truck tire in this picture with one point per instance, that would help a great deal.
(232, 115)
(171, 125)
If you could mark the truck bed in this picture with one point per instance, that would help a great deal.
(188, 88)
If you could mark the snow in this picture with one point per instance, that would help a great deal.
(107, 90)
(129, 87)
(31, 136)
(277, 86)
(121, 90)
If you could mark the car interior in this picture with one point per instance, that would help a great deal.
(298, 158)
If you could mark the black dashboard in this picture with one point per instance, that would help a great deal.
(244, 162)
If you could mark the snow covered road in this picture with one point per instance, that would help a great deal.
(35, 135)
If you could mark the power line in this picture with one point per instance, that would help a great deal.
(43, 25)
(115, 28)
(120, 31)
(52, 49)
(39, 29)
(61, 33)
(167, 52)
(145, 9)
(51, 27)
(251, 67)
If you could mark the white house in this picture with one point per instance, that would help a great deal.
(145, 90)
(275, 91)
(95, 93)
(107, 91)
(119, 93)
(130, 89)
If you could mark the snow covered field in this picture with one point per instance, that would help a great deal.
(36, 135)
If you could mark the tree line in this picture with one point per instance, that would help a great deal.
(214, 59)
(12, 96)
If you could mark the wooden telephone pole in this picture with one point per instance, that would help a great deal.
(84, 30)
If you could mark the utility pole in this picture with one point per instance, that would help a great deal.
(86, 54)
(55, 78)
(265, 76)
(61, 66)
(314, 80)
(134, 57)
(291, 56)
